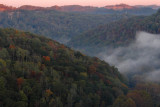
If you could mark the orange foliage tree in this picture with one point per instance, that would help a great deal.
(12, 47)
(46, 58)
(49, 92)
(51, 44)
(20, 82)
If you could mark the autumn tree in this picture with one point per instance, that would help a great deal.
(92, 69)
(20, 82)
(46, 58)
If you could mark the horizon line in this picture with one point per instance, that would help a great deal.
(75, 5)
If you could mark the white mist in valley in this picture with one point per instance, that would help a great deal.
(141, 57)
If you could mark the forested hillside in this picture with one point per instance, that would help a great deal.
(115, 34)
(57, 25)
(36, 71)
(113, 9)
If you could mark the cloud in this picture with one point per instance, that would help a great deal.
(141, 57)
(153, 76)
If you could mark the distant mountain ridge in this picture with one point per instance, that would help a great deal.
(77, 8)
(156, 7)
(120, 7)
(4, 7)
(67, 8)
(29, 7)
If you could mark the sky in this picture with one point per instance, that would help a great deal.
(98, 3)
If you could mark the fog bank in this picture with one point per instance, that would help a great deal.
(141, 57)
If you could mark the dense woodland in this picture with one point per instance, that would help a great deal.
(61, 26)
(115, 34)
(139, 11)
(39, 72)
(104, 10)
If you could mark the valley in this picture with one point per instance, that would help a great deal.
(80, 56)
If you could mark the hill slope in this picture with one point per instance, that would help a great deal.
(57, 25)
(36, 71)
(113, 9)
(6, 8)
(116, 34)
(120, 7)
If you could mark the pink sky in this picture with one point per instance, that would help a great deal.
(99, 3)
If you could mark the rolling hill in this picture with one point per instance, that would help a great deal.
(6, 8)
(61, 26)
(115, 34)
(36, 71)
